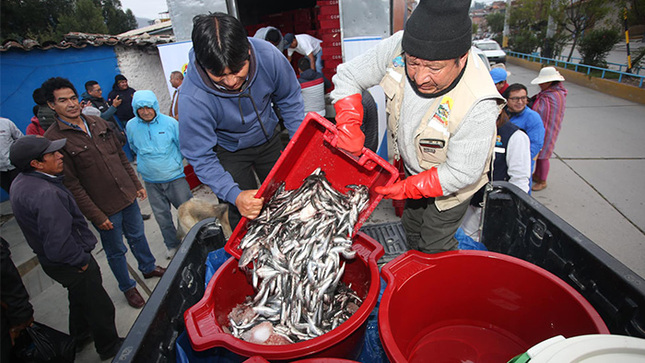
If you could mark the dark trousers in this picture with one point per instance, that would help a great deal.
(429, 230)
(90, 307)
(243, 163)
(7, 177)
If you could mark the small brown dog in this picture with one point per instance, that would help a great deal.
(196, 210)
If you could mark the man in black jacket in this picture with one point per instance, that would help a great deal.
(56, 230)
(17, 312)
(93, 96)
(121, 90)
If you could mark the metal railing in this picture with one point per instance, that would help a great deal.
(635, 70)
(581, 67)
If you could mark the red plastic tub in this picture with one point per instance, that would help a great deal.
(229, 287)
(475, 306)
(313, 146)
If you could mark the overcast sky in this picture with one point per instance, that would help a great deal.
(145, 8)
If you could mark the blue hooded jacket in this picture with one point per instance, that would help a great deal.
(156, 143)
(209, 116)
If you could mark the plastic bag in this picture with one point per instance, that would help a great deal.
(46, 344)
(214, 260)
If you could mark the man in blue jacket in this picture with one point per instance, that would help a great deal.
(227, 126)
(154, 137)
(525, 118)
(56, 230)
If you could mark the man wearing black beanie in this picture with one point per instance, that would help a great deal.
(442, 106)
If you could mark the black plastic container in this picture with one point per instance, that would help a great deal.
(516, 224)
(152, 337)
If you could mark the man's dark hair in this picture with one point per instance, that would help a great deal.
(35, 110)
(90, 84)
(304, 63)
(39, 97)
(220, 41)
(273, 36)
(56, 83)
(514, 87)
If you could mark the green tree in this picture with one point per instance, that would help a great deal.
(635, 13)
(117, 20)
(33, 19)
(582, 15)
(86, 18)
(596, 44)
(496, 22)
(527, 23)
(50, 20)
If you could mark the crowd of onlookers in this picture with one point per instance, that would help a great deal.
(71, 168)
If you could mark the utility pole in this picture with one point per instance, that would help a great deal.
(507, 17)
(629, 57)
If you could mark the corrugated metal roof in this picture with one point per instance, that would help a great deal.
(82, 40)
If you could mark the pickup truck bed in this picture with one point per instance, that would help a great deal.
(514, 224)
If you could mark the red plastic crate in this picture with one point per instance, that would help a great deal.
(399, 205)
(330, 38)
(331, 50)
(330, 23)
(332, 44)
(331, 65)
(313, 146)
(329, 30)
(332, 57)
(329, 10)
(329, 17)
(326, 2)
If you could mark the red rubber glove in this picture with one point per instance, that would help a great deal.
(423, 185)
(349, 117)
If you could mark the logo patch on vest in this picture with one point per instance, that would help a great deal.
(443, 111)
(398, 61)
(498, 141)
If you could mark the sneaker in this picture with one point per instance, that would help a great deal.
(134, 298)
(145, 216)
(171, 253)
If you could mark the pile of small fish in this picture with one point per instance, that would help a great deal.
(296, 245)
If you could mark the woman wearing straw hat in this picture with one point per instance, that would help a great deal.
(550, 104)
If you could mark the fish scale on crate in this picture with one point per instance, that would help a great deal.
(296, 245)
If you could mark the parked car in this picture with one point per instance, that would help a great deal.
(492, 50)
(479, 53)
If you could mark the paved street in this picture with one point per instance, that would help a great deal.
(595, 184)
(596, 177)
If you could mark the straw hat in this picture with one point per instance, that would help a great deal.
(548, 74)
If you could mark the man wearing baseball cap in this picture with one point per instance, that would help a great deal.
(442, 106)
(56, 230)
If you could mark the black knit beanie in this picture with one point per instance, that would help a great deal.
(119, 77)
(438, 30)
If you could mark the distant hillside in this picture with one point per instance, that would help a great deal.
(141, 22)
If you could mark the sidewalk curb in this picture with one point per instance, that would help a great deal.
(624, 91)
